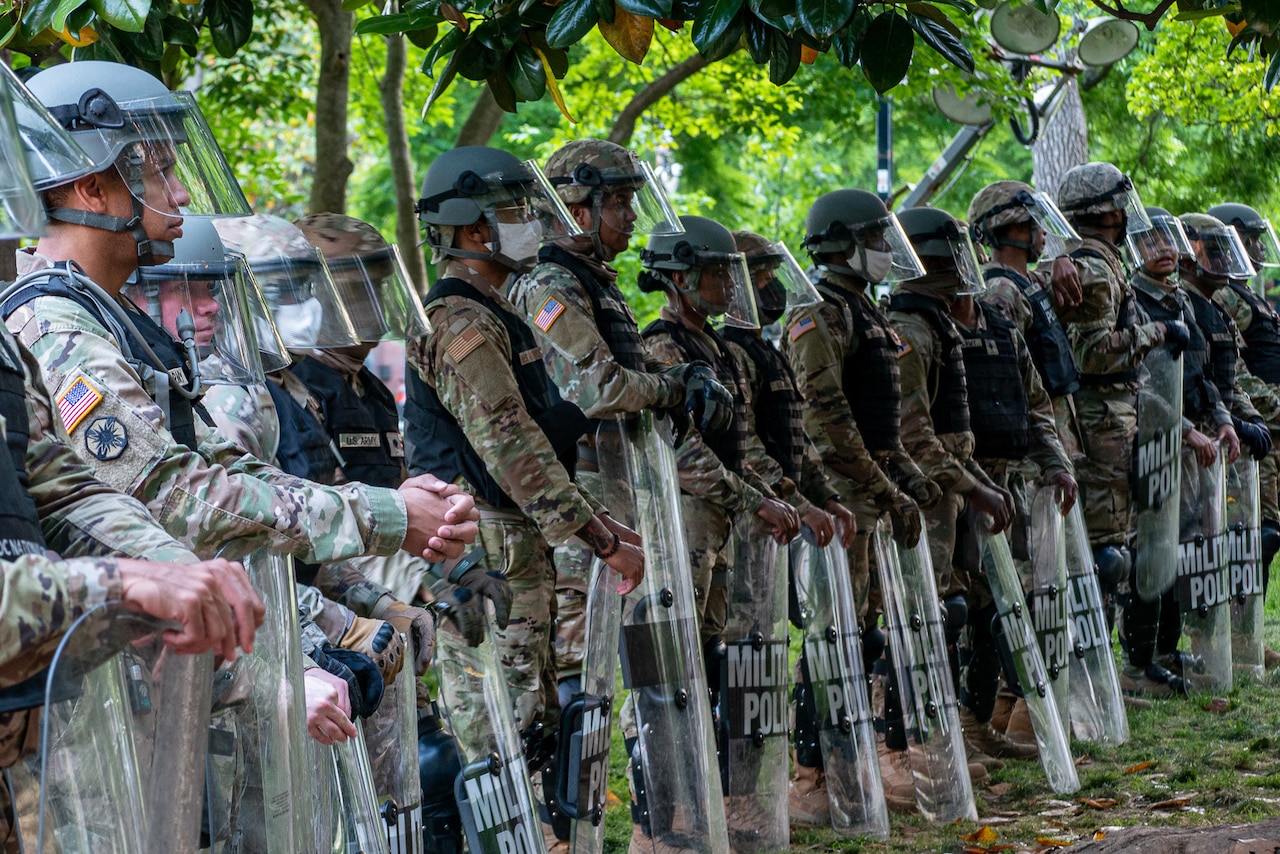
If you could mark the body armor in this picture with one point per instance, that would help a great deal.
(614, 320)
(1220, 333)
(1198, 393)
(950, 408)
(871, 371)
(1046, 339)
(365, 428)
(998, 408)
(1262, 338)
(304, 449)
(777, 402)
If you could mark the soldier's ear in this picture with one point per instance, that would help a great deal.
(582, 216)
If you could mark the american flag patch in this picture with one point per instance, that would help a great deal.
(801, 326)
(469, 339)
(551, 309)
(77, 402)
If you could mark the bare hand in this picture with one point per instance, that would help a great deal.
(627, 561)
(1227, 433)
(1068, 490)
(442, 518)
(213, 601)
(1066, 282)
(624, 533)
(821, 524)
(782, 519)
(846, 523)
(1206, 450)
(328, 707)
(984, 499)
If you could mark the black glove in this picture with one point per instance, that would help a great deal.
(463, 608)
(365, 684)
(1254, 435)
(1176, 336)
(469, 573)
(706, 400)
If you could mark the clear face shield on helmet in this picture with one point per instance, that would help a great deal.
(779, 282)
(968, 267)
(21, 214)
(1126, 199)
(721, 287)
(1220, 252)
(522, 212)
(633, 201)
(211, 303)
(1059, 237)
(271, 347)
(381, 302)
(51, 155)
(881, 252)
(1160, 246)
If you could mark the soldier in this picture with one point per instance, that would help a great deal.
(136, 426)
(482, 410)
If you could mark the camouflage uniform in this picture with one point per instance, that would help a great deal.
(204, 498)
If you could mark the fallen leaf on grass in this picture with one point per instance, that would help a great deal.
(1171, 803)
(1218, 705)
(612, 800)
(999, 788)
(1098, 834)
(984, 835)
(1098, 803)
(1048, 842)
(1141, 766)
(1084, 760)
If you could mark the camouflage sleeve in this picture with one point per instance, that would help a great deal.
(814, 344)
(918, 351)
(1099, 347)
(40, 597)
(467, 358)
(1005, 295)
(762, 471)
(1264, 396)
(1046, 449)
(79, 514)
(1235, 306)
(700, 471)
(201, 502)
(246, 417)
(814, 483)
(577, 357)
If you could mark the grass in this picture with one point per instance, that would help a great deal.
(1205, 768)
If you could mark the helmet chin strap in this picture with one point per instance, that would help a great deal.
(597, 217)
(150, 252)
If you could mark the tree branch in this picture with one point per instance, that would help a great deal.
(625, 127)
(1147, 19)
(482, 122)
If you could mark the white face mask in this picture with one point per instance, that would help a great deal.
(518, 242)
(299, 325)
(878, 264)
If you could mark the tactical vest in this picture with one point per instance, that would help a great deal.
(180, 413)
(999, 412)
(1216, 324)
(365, 429)
(731, 445)
(1262, 338)
(19, 523)
(614, 320)
(436, 441)
(304, 449)
(776, 401)
(1198, 394)
(1127, 315)
(949, 409)
(1046, 339)
(870, 371)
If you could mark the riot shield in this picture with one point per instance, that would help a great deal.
(834, 671)
(116, 697)
(259, 786)
(1204, 575)
(586, 723)
(1019, 645)
(1097, 708)
(754, 681)
(495, 800)
(391, 736)
(1048, 596)
(660, 650)
(1244, 554)
(913, 617)
(1157, 473)
(356, 826)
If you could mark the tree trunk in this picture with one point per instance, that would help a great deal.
(333, 167)
(1063, 143)
(625, 127)
(392, 89)
(482, 122)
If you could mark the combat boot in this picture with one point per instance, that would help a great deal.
(807, 801)
(1020, 729)
(642, 843)
(987, 761)
(895, 776)
(1004, 705)
(1270, 658)
(555, 845)
(1152, 681)
(983, 738)
(749, 826)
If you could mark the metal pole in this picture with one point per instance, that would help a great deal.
(884, 149)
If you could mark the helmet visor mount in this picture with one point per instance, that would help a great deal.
(1166, 239)
(375, 289)
(1221, 253)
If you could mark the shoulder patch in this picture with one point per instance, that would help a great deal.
(466, 342)
(801, 326)
(550, 312)
(904, 347)
(106, 438)
(75, 404)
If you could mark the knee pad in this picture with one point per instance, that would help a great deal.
(1111, 563)
(1270, 538)
(872, 647)
(955, 615)
(439, 765)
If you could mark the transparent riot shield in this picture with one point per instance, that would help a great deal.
(586, 723)
(1019, 644)
(391, 736)
(833, 668)
(1244, 555)
(495, 800)
(754, 682)
(1204, 575)
(116, 697)
(1048, 596)
(1157, 474)
(913, 617)
(258, 785)
(661, 655)
(355, 825)
(1097, 708)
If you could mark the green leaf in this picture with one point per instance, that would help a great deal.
(58, 20)
(230, 24)
(442, 82)
(384, 25)
(933, 13)
(525, 71)
(503, 93)
(483, 52)
(36, 18)
(711, 23)
(571, 22)
(127, 15)
(423, 37)
(82, 17)
(823, 17)
(178, 30)
(605, 10)
(448, 44)
(648, 8)
(886, 51)
(557, 58)
(963, 5)
(784, 59)
(1273, 72)
(941, 40)
(759, 39)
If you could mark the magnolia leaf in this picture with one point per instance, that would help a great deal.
(647, 8)
(571, 22)
(712, 22)
(886, 50)
(127, 15)
(629, 34)
(384, 25)
(553, 86)
(1273, 72)
(823, 17)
